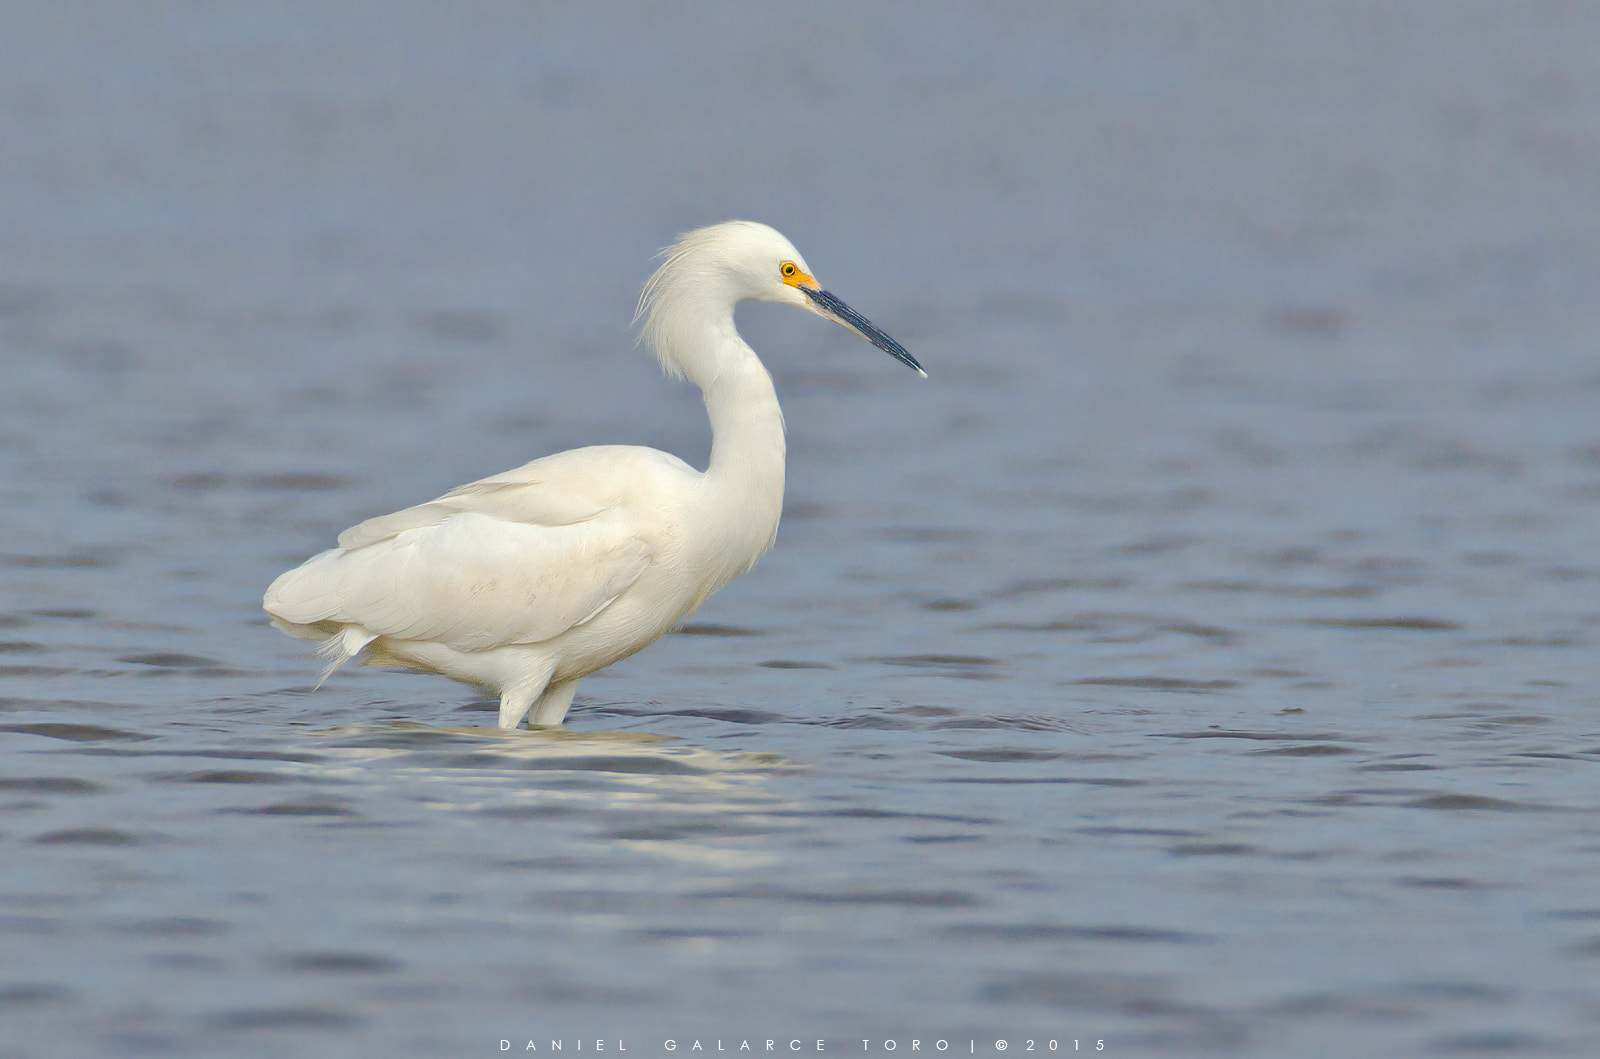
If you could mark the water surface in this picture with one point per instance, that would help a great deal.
(1202, 660)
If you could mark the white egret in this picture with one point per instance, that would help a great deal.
(523, 583)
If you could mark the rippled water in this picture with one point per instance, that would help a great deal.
(1201, 661)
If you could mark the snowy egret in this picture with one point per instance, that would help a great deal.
(523, 583)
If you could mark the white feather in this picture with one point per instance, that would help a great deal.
(524, 582)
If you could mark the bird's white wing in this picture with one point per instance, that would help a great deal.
(510, 501)
(466, 579)
(559, 490)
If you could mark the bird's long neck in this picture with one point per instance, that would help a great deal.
(742, 490)
(745, 475)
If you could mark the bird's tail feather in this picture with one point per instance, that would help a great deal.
(341, 647)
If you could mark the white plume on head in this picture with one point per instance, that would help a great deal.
(707, 271)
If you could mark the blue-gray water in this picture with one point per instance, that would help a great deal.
(1203, 660)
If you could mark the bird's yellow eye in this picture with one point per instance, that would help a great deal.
(795, 276)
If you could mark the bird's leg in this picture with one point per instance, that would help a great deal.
(552, 705)
(515, 703)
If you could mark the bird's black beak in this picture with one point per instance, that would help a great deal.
(825, 304)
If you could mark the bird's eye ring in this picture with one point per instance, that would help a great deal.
(789, 268)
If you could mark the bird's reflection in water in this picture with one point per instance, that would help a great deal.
(637, 789)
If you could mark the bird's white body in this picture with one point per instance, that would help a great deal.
(527, 581)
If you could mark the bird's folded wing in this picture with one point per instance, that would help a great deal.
(467, 579)
(559, 490)
(512, 502)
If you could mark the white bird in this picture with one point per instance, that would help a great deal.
(523, 583)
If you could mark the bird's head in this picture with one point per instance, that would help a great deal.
(746, 261)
